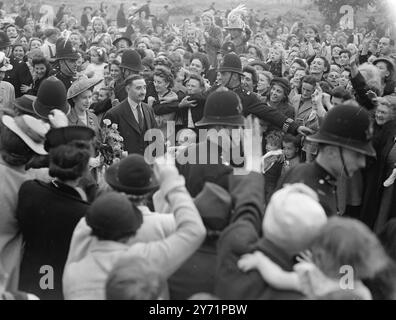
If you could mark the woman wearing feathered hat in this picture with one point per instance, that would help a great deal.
(239, 31)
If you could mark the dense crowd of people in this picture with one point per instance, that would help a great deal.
(296, 184)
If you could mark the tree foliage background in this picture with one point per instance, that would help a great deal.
(330, 9)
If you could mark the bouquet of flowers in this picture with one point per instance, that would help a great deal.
(110, 144)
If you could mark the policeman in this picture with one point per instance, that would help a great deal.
(212, 159)
(231, 75)
(344, 143)
(131, 63)
(66, 62)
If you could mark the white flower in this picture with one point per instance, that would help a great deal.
(114, 126)
(107, 122)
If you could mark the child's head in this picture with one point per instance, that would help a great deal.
(97, 54)
(347, 243)
(95, 96)
(273, 141)
(104, 93)
(290, 146)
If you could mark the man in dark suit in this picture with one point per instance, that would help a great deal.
(132, 116)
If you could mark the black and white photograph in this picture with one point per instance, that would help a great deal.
(211, 151)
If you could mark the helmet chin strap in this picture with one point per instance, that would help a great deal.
(227, 85)
(68, 68)
(343, 163)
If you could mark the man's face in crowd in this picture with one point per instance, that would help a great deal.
(307, 90)
(191, 36)
(18, 52)
(293, 68)
(75, 40)
(335, 53)
(344, 59)
(122, 44)
(383, 114)
(299, 74)
(206, 22)
(196, 67)
(40, 70)
(289, 150)
(344, 79)
(336, 101)
(384, 46)
(12, 32)
(274, 55)
(115, 72)
(317, 66)
(247, 81)
(137, 90)
(383, 69)
(332, 78)
(263, 83)
(310, 34)
(225, 77)
(194, 87)
(102, 95)
(373, 46)
(277, 93)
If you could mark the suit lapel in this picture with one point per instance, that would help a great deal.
(146, 115)
(129, 117)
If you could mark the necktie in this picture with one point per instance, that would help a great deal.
(140, 118)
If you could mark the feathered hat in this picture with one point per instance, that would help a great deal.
(235, 18)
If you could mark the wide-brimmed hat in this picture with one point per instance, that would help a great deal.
(222, 108)
(122, 38)
(31, 130)
(65, 50)
(60, 136)
(24, 104)
(51, 95)
(214, 204)
(131, 175)
(4, 64)
(113, 216)
(131, 60)
(231, 63)
(346, 126)
(4, 40)
(81, 85)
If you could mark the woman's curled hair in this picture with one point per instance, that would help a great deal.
(69, 161)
